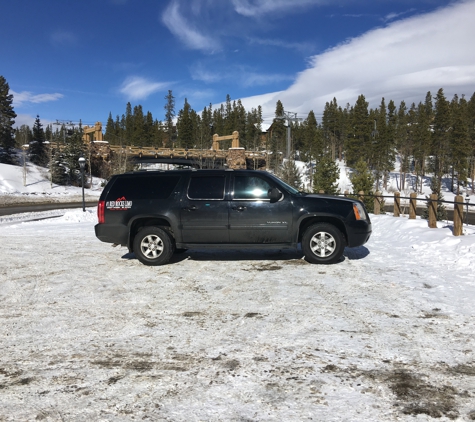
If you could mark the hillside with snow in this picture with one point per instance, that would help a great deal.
(31, 184)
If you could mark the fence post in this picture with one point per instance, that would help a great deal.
(412, 206)
(433, 211)
(397, 204)
(346, 193)
(458, 215)
(361, 195)
(377, 203)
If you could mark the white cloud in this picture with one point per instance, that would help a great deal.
(191, 36)
(29, 120)
(24, 97)
(204, 25)
(138, 88)
(400, 62)
(243, 75)
(394, 16)
(249, 79)
(300, 46)
(63, 38)
(200, 73)
(257, 8)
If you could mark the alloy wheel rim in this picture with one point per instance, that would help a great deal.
(322, 244)
(151, 246)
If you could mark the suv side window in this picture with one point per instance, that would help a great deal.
(206, 187)
(250, 187)
(144, 187)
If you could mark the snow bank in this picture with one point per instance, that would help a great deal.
(38, 187)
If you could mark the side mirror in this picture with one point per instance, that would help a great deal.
(274, 194)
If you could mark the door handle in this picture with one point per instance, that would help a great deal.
(192, 208)
(240, 208)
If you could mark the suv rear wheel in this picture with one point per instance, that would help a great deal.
(323, 243)
(153, 246)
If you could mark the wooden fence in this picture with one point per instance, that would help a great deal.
(431, 202)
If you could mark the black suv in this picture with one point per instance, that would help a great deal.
(157, 213)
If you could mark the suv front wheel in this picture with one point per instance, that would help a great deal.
(323, 243)
(153, 246)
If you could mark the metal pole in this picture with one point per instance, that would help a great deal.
(82, 166)
(83, 202)
(288, 139)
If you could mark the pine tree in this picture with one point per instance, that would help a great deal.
(290, 174)
(184, 126)
(73, 150)
(23, 136)
(7, 120)
(196, 125)
(471, 132)
(218, 120)
(128, 125)
(38, 153)
(391, 141)
(363, 180)
(313, 139)
(253, 129)
(326, 176)
(382, 152)
(229, 112)
(159, 135)
(206, 128)
(138, 126)
(148, 130)
(441, 213)
(331, 125)
(403, 144)
(422, 142)
(59, 173)
(358, 142)
(460, 145)
(110, 134)
(312, 142)
(278, 137)
(169, 116)
(441, 136)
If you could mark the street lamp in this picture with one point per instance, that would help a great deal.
(467, 201)
(82, 166)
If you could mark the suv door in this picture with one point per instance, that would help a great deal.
(204, 212)
(253, 218)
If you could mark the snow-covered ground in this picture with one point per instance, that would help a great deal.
(90, 334)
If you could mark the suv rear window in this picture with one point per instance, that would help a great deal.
(144, 187)
(206, 187)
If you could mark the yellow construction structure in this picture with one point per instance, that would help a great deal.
(234, 137)
(93, 133)
(235, 157)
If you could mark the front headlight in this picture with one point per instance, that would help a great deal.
(359, 211)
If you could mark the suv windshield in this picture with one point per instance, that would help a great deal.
(288, 187)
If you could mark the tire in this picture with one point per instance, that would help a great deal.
(153, 246)
(323, 243)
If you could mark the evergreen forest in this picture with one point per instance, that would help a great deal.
(435, 136)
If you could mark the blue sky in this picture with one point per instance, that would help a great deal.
(83, 59)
